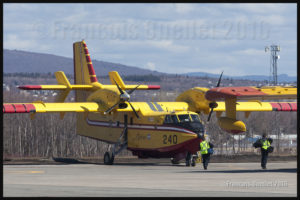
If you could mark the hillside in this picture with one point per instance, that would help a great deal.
(281, 77)
(30, 62)
(23, 61)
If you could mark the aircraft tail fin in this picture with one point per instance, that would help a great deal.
(83, 67)
(84, 73)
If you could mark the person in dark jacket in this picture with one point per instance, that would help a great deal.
(264, 143)
(204, 146)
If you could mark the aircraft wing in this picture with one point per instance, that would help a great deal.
(41, 107)
(260, 106)
(250, 93)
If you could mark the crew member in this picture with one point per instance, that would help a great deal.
(204, 146)
(265, 144)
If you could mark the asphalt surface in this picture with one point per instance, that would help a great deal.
(151, 180)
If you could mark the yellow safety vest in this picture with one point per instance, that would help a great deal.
(203, 147)
(265, 144)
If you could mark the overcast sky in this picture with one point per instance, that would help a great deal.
(172, 38)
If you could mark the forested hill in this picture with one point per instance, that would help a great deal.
(23, 61)
(17, 61)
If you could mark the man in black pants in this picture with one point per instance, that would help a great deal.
(204, 146)
(264, 143)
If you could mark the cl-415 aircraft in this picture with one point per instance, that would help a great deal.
(148, 129)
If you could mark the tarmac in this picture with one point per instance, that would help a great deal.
(151, 180)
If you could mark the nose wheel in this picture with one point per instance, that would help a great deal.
(174, 161)
(190, 160)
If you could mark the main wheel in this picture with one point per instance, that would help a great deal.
(174, 162)
(193, 162)
(108, 159)
(188, 159)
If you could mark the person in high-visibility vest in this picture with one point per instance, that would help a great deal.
(204, 146)
(264, 143)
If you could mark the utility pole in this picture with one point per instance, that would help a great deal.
(273, 61)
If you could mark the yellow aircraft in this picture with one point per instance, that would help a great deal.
(148, 129)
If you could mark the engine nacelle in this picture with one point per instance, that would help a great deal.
(231, 125)
(106, 98)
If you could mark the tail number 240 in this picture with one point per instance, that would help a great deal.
(170, 139)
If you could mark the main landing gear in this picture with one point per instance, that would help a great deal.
(108, 158)
(116, 148)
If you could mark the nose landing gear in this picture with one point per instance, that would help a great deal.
(190, 160)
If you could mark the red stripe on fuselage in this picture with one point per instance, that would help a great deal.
(191, 146)
(139, 126)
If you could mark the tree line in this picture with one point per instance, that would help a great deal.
(48, 136)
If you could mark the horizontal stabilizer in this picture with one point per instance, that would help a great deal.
(54, 87)
(116, 78)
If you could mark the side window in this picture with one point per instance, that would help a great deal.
(168, 119)
(174, 118)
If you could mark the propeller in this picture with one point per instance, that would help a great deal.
(124, 97)
(213, 105)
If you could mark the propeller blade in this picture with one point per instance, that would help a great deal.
(220, 79)
(210, 114)
(111, 108)
(131, 91)
(133, 110)
(121, 91)
(214, 105)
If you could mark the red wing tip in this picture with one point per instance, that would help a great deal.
(30, 87)
(153, 87)
(18, 108)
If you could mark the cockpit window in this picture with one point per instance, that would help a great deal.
(184, 118)
(195, 118)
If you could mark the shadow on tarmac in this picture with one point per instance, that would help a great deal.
(287, 170)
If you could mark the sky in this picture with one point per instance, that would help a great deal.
(166, 37)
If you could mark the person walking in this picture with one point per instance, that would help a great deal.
(204, 150)
(265, 144)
